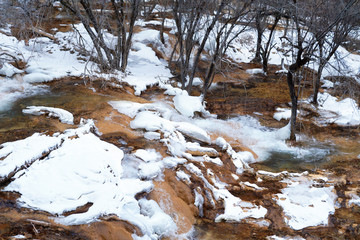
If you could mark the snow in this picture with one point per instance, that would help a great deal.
(255, 71)
(327, 84)
(249, 132)
(14, 88)
(45, 62)
(354, 200)
(9, 70)
(306, 205)
(344, 113)
(188, 105)
(234, 208)
(152, 166)
(274, 237)
(181, 175)
(145, 68)
(253, 185)
(25, 152)
(193, 131)
(152, 135)
(83, 169)
(147, 155)
(19, 236)
(63, 115)
(282, 113)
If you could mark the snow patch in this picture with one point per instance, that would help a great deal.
(306, 205)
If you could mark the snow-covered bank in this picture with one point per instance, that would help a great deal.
(77, 169)
(344, 113)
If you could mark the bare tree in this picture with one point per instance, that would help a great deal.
(343, 16)
(117, 17)
(225, 32)
(194, 22)
(303, 15)
(267, 17)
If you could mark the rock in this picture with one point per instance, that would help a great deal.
(174, 206)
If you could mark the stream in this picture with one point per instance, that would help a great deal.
(312, 155)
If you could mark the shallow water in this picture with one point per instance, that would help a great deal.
(77, 102)
(312, 156)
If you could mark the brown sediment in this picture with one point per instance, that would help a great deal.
(170, 202)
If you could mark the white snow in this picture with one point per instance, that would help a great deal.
(188, 105)
(235, 209)
(152, 166)
(83, 170)
(306, 205)
(19, 236)
(274, 237)
(9, 70)
(255, 71)
(345, 112)
(152, 135)
(183, 176)
(327, 84)
(63, 115)
(193, 131)
(354, 200)
(282, 113)
(25, 152)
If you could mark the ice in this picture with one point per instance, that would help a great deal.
(306, 205)
(14, 88)
(249, 132)
(63, 115)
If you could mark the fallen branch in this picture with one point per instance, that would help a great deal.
(43, 33)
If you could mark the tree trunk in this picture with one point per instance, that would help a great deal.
(257, 58)
(317, 84)
(294, 102)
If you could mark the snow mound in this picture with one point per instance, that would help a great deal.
(187, 105)
(282, 113)
(63, 115)
(9, 70)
